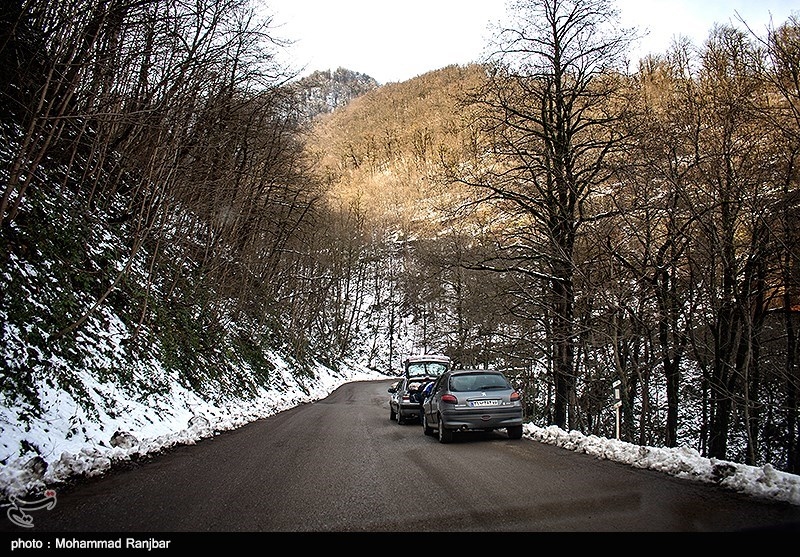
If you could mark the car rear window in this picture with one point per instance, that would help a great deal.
(478, 382)
(426, 369)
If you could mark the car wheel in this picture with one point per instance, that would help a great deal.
(392, 413)
(514, 432)
(445, 435)
(400, 419)
(426, 429)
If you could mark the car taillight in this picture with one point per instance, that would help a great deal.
(515, 396)
(449, 399)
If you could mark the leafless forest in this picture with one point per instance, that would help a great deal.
(559, 211)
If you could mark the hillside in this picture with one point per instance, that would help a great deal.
(93, 357)
(157, 235)
(384, 149)
(322, 92)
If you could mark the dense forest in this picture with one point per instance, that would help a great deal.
(554, 211)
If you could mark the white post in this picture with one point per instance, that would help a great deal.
(617, 402)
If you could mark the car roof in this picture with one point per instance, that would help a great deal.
(463, 371)
(428, 358)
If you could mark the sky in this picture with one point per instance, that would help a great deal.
(73, 444)
(396, 41)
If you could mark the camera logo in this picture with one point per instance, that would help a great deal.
(18, 508)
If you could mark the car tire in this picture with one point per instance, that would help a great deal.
(426, 429)
(514, 432)
(392, 413)
(400, 419)
(445, 435)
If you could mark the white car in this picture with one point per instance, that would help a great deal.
(405, 403)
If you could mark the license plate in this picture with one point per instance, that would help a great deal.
(485, 402)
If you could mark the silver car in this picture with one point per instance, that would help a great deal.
(471, 400)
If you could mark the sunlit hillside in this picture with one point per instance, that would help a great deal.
(384, 150)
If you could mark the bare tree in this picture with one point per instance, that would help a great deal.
(651, 230)
(550, 111)
(782, 72)
(731, 248)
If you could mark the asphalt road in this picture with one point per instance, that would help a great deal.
(341, 465)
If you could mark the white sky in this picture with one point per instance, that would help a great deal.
(396, 41)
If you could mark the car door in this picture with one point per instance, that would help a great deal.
(430, 404)
(398, 396)
(394, 396)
